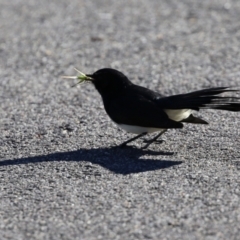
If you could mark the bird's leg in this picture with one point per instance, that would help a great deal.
(154, 139)
(132, 139)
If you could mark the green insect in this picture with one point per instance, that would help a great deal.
(82, 77)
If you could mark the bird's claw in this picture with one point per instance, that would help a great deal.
(155, 142)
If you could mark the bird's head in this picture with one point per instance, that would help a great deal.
(107, 81)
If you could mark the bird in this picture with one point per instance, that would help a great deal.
(141, 111)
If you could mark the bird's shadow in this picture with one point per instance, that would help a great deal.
(117, 160)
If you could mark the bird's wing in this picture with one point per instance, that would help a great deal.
(145, 92)
(134, 109)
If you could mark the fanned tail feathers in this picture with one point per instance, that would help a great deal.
(203, 99)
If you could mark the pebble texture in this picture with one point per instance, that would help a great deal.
(60, 176)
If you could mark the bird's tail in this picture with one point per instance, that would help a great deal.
(203, 99)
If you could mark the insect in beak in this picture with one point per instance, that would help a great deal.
(82, 77)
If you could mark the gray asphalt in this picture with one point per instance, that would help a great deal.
(60, 175)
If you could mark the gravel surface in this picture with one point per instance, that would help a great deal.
(60, 175)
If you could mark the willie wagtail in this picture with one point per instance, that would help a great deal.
(141, 111)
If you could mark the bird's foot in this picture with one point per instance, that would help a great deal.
(155, 141)
(122, 145)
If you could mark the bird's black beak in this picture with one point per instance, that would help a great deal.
(89, 77)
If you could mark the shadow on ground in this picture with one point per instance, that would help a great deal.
(117, 160)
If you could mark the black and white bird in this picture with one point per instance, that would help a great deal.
(141, 111)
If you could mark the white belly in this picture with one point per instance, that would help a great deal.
(174, 114)
(178, 114)
(137, 129)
